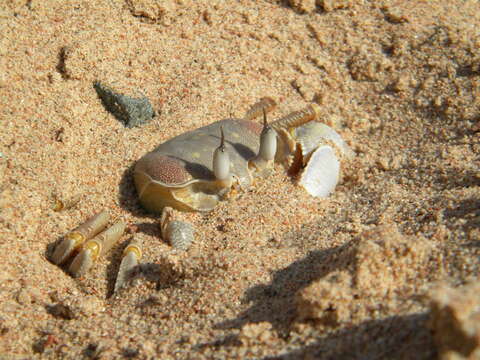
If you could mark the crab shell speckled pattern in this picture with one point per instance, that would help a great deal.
(178, 173)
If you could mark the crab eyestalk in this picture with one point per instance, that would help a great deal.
(221, 163)
(268, 147)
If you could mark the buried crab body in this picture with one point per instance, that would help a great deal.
(180, 173)
(196, 170)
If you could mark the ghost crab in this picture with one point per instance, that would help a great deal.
(197, 169)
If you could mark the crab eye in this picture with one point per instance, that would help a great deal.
(221, 160)
(268, 141)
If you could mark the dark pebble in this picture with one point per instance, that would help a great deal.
(130, 111)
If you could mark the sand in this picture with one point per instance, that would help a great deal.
(274, 273)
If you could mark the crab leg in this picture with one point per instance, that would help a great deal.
(179, 234)
(131, 256)
(96, 247)
(75, 238)
(283, 126)
(297, 118)
(265, 104)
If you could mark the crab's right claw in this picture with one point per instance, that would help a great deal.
(322, 173)
(179, 234)
(75, 238)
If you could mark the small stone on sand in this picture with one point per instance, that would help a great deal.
(131, 111)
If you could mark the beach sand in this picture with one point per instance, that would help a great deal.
(273, 273)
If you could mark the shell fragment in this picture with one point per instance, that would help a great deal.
(321, 175)
(321, 148)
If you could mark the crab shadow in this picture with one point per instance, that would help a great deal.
(465, 215)
(127, 195)
(275, 303)
(395, 337)
(467, 209)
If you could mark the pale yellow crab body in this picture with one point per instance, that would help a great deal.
(179, 174)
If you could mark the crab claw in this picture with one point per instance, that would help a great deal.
(179, 234)
(75, 238)
(96, 247)
(268, 147)
(311, 149)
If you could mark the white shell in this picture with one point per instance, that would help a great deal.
(321, 175)
(314, 134)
